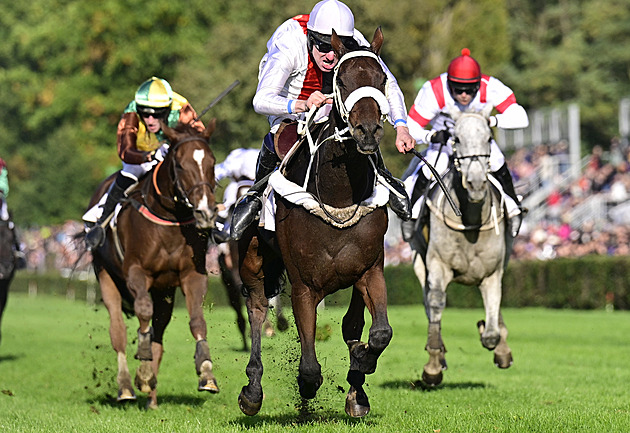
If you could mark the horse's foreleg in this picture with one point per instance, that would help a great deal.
(117, 334)
(304, 302)
(491, 293)
(158, 352)
(194, 287)
(370, 291)
(502, 353)
(434, 302)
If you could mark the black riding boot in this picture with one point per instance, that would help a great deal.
(504, 177)
(96, 235)
(408, 228)
(247, 209)
(399, 200)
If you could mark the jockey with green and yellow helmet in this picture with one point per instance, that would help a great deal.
(141, 142)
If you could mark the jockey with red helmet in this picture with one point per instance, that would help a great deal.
(464, 86)
(296, 74)
(141, 142)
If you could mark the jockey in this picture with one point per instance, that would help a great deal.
(464, 86)
(240, 167)
(141, 141)
(4, 190)
(6, 216)
(296, 74)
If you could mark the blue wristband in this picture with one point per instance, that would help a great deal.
(399, 122)
(289, 107)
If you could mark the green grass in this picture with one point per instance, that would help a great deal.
(571, 374)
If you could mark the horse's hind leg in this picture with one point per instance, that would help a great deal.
(233, 287)
(364, 357)
(250, 398)
(117, 335)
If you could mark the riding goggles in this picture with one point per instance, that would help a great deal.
(322, 42)
(157, 113)
(458, 89)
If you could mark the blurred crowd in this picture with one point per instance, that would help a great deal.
(557, 234)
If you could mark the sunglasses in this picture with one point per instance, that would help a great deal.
(157, 113)
(470, 90)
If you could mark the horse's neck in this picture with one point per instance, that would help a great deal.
(473, 214)
(158, 190)
(340, 175)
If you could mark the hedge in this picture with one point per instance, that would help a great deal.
(592, 282)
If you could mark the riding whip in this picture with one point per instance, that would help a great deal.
(439, 181)
(218, 98)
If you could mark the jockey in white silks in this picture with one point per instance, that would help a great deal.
(296, 74)
(465, 87)
(240, 167)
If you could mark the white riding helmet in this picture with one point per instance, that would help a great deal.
(331, 14)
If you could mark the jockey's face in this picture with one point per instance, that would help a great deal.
(153, 123)
(325, 61)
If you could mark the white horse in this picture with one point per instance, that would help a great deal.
(471, 249)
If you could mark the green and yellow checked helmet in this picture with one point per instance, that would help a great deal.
(154, 93)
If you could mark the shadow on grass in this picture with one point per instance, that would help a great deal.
(109, 400)
(421, 386)
(10, 357)
(306, 412)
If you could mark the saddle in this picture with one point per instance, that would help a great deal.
(285, 137)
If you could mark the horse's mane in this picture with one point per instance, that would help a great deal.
(186, 128)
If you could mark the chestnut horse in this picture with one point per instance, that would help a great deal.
(472, 249)
(339, 246)
(158, 243)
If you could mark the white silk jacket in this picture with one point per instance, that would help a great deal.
(434, 96)
(287, 73)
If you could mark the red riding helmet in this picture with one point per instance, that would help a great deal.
(464, 69)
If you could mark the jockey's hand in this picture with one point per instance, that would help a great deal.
(316, 99)
(440, 137)
(404, 141)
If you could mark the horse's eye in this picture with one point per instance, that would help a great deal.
(340, 84)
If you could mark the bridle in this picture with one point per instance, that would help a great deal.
(181, 195)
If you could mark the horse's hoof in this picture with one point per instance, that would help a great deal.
(357, 404)
(151, 405)
(308, 390)
(503, 360)
(249, 408)
(209, 385)
(125, 395)
(145, 378)
(283, 323)
(432, 379)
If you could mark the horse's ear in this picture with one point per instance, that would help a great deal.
(377, 41)
(338, 46)
(212, 124)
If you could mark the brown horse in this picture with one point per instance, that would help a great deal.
(159, 243)
(228, 265)
(342, 247)
(7, 263)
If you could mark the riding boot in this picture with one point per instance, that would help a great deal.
(248, 208)
(18, 254)
(398, 200)
(96, 235)
(504, 177)
(408, 228)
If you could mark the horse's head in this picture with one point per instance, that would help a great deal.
(359, 91)
(471, 151)
(191, 165)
